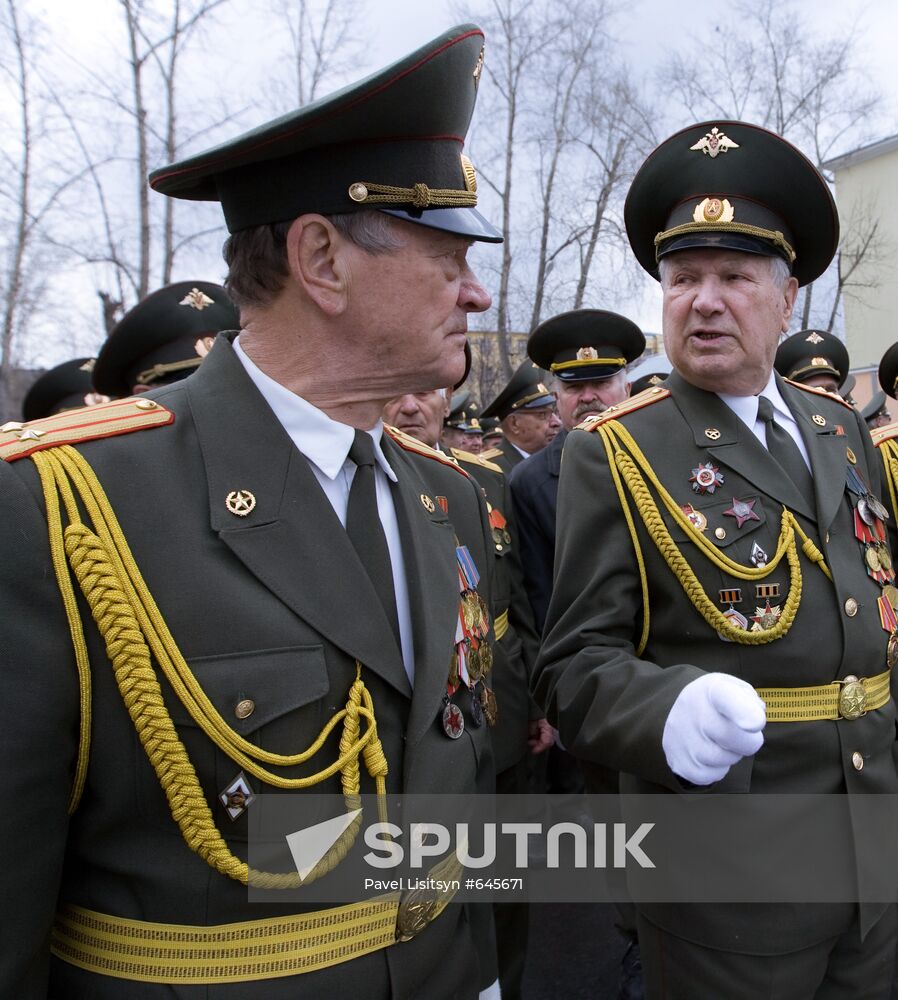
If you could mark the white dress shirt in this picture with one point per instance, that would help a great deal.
(746, 409)
(326, 443)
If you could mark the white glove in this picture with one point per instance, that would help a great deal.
(715, 721)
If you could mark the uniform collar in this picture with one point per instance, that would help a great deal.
(323, 440)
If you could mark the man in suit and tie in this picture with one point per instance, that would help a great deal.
(281, 591)
(713, 548)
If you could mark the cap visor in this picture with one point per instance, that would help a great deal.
(463, 221)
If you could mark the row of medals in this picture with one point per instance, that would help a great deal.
(870, 516)
(478, 658)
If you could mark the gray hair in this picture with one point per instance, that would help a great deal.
(257, 257)
(780, 272)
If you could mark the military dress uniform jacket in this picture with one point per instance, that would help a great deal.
(505, 455)
(273, 608)
(515, 652)
(534, 492)
(610, 703)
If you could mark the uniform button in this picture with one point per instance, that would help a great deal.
(245, 708)
(851, 607)
(498, 547)
(720, 533)
(857, 759)
(827, 538)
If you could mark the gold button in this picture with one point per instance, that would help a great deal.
(498, 547)
(720, 533)
(245, 708)
(146, 404)
(857, 759)
(358, 191)
(851, 607)
(851, 456)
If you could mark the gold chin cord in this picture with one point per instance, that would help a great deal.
(135, 632)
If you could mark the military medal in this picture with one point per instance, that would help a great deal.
(498, 524)
(237, 797)
(892, 651)
(453, 720)
(476, 709)
(742, 511)
(695, 517)
(758, 555)
(488, 704)
(706, 478)
(766, 617)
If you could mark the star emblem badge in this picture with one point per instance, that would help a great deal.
(706, 478)
(766, 617)
(742, 510)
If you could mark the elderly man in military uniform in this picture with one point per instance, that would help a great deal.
(813, 357)
(527, 414)
(271, 590)
(718, 668)
(461, 428)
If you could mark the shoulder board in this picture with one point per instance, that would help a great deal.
(409, 443)
(87, 423)
(834, 396)
(492, 453)
(472, 459)
(888, 432)
(654, 394)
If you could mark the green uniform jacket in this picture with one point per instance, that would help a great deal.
(610, 705)
(272, 607)
(514, 654)
(505, 455)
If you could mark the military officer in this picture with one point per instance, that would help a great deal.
(813, 357)
(164, 338)
(527, 414)
(876, 412)
(885, 436)
(587, 351)
(65, 387)
(262, 561)
(461, 428)
(652, 667)
(518, 727)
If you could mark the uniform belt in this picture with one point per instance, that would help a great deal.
(500, 624)
(248, 950)
(847, 699)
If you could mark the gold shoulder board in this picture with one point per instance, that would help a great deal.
(654, 394)
(887, 432)
(409, 443)
(87, 423)
(818, 391)
(470, 457)
(492, 453)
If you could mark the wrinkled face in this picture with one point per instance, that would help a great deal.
(823, 381)
(532, 430)
(723, 312)
(581, 399)
(411, 305)
(419, 414)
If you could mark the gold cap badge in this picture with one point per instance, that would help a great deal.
(587, 354)
(196, 300)
(715, 142)
(713, 210)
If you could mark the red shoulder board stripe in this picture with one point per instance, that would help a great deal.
(654, 394)
(834, 396)
(408, 443)
(888, 432)
(87, 423)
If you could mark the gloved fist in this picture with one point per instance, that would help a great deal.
(715, 721)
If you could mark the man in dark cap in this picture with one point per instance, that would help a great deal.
(164, 338)
(647, 381)
(282, 587)
(461, 428)
(673, 602)
(587, 351)
(528, 416)
(65, 387)
(876, 412)
(813, 357)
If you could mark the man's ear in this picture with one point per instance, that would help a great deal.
(790, 292)
(447, 401)
(316, 259)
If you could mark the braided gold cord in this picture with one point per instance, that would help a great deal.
(889, 451)
(130, 624)
(628, 463)
(421, 196)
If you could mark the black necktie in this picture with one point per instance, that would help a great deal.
(365, 530)
(783, 448)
